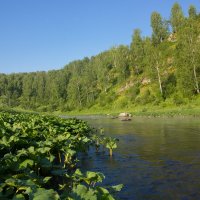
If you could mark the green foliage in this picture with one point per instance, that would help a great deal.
(133, 92)
(121, 62)
(105, 100)
(36, 150)
(145, 97)
(114, 79)
(178, 99)
(177, 17)
(159, 27)
(137, 52)
(43, 194)
(111, 143)
(169, 86)
(121, 102)
(187, 58)
(192, 12)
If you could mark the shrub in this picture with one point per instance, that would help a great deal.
(178, 99)
(121, 102)
(134, 92)
(145, 98)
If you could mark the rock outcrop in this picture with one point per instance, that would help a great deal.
(125, 116)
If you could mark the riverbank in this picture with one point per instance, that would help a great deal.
(143, 111)
(151, 111)
(138, 111)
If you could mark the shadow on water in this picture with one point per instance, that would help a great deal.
(156, 158)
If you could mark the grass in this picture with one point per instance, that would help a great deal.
(190, 109)
(147, 110)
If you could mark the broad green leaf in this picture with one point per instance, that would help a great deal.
(4, 141)
(18, 197)
(19, 183)
(11, 182)
(43, 194)
(61, 138)
(103, 194)
(78, 172)
(26, 163)
(51, 158)
(111, 145)
(83, 193)
(117, 188)
(46, 179)
(43, 150)
(31, 150)
(44, 162)
(22, 152)
(95, 176)
(85, 139)
(13, 138)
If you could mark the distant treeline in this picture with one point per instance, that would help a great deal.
(162, 68)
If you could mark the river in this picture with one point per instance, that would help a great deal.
(156, 158)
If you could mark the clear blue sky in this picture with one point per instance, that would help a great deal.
(38, 35)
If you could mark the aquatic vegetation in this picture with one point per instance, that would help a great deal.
(38, 159)
(111, 143)
(106, 142)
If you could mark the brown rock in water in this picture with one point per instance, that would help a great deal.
(125, 116)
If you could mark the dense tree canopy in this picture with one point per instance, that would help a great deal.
(159, 27)
(152, 70)
(177, 17)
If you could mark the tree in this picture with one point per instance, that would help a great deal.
(120, 57)
(82, 88)
(192, 12)
(159, 27)
(39, 87)
(155, 51)
(156, 62)
(188, 58)
(3, 83)
(104, 65)
(156, 57)
(137, 51)
(176, 18)
(28, 91)
(89, 84)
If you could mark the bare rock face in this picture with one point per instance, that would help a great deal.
(125, 116)
(146, 81)
(172, 37)
(126, 87)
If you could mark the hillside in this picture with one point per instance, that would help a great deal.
(159, 72)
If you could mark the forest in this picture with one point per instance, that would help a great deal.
(159, 70)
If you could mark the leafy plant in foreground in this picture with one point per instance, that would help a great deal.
(38, 159)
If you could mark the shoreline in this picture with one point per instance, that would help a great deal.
(149, 112)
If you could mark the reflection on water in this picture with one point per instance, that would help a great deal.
(156, 158)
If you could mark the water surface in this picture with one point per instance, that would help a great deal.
(157, 158)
